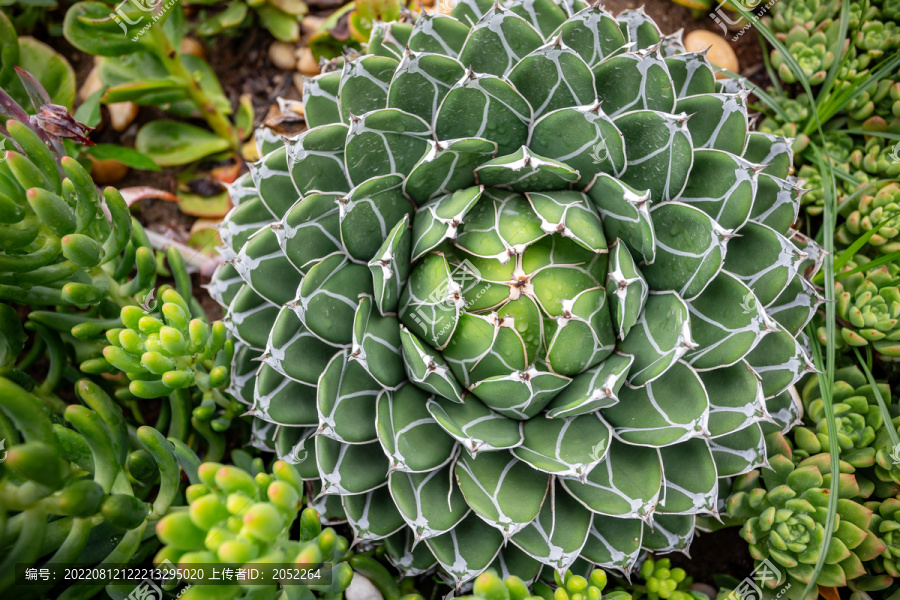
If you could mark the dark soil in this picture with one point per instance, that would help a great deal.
(716, 553)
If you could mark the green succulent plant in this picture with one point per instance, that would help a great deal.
(852, 71)
(808, 14)
(881, 211)
(811, 53)
(662, 581)
(63, 245)
(569, 586)
(81, 491)
(868, 308)
(887, 460)
(886, 524)
(888, 9)
(784, 512)
(56, 247)
(876, 159)
(877, 37)
(235, 518)
(856, 412)
(477, 287)
(883, 99)
(164, 352)
(860, 12)
(281, 18)
(490, 585)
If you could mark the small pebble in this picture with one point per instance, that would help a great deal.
(311, 24)
(105, 172)
(121, 114)
(193, 47)
(91, 84)
(720, 52)
(282, 56)
(249, 152)
(298, 82)
(704, 588)
(308, 65)
(361, 588)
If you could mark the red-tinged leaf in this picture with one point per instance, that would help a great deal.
(227, 173)
(142, 192)
(875, 123)
(33, 88)
(829, 593)
(211, 207)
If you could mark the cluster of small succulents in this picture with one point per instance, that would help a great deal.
(886, 522)
(235, 518)
(85, 483)
(784, 511)
(662, 581)
(56, 246)
(857, 417)
(878, 211)
(166, 353)
(809, 32)
(59, 250)
(868, 308)
(79, 481)
(568, 586)
(810, 51)
(173, 352)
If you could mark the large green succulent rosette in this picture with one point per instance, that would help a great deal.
(505, 287)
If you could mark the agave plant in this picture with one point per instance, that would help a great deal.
(463, 298)
(784, 513)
